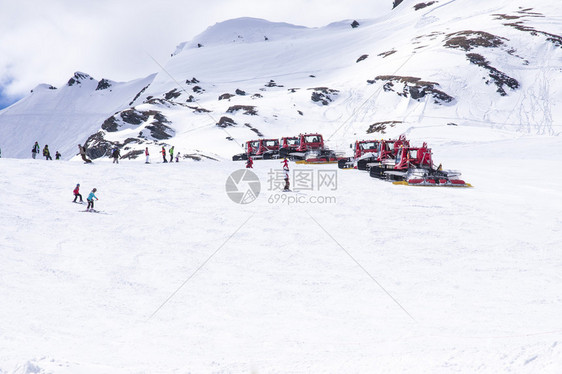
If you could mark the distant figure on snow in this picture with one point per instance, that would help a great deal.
(57, 156)
(77, 194)
(172, 154)
(35, 150)
(286, 178)
(147, 155)
(250, 163)
(178, 157)
(90, 199)
(47, 153)
(115, 154)
(285, 163)
(82, 151)
(164, 154)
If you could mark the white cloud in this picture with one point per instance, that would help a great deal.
(47, 41)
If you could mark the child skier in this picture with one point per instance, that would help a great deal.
(77, 194)
(90, 199)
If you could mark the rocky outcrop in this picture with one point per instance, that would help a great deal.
(413, 87)
(323, 95)
(497, 77)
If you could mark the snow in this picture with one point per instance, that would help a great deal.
(277, 287)
(364, 276)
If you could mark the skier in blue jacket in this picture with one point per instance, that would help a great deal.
(90, 199)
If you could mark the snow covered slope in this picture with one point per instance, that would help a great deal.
(366, 277)
(494, 66)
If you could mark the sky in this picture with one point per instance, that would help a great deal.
(47, 41)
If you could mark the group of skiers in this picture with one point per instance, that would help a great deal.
(90, 199)
(46, 152)
(163, 152)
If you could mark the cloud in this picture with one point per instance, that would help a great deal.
(47, 41)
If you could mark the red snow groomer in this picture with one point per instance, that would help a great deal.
(311, 150)
(288, 145)
(413, 166)
(259, 149)
(372, 152)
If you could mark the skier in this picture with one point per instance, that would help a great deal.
(287, 184)
(57, 156)
(35, 150)
(83, 154)
(164, 154)
(178, 157)
(250, 163)
(115, 154)
(146, 154)
(172, 154)
(285, 163)
(90, 199)
(47, 153)
(77, 194)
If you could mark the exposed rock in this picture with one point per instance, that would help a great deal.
(198, 109)
(293, 90)
(396, 3)
(423, 5)
(355, 24)
(413, 87)
(387, 53)
(226, 96)
(103, 84)
(272, 83)
(78, 78)
(131, 155)
(134, 117)
(192, 81)
(258, 133)
(468, 40)
(257, 96)
(96, 145)
(110, 124)
(323, 95)
(198, 89)
(172, 94)
(225, 122)
(361, 58)
(138, 95)
(497, 77)
(248, 109)
(380, 127)
(240, 92)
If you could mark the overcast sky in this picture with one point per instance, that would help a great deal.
(46, 41)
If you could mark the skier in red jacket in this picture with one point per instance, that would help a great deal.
(250, 163)
(77, 193)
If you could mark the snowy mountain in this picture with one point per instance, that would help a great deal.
(492, 65)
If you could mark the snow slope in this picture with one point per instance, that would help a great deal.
(175, 277)
(493, 66)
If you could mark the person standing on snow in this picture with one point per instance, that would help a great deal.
(47, 153)
(35, 150)
(178, 157)
(57, 156)
(146, 154)
(77, 194)
(115, 154)
(250, 163)
(90, 199)
(285, 163)
(172, 154)
(164, 154)
(286, 178)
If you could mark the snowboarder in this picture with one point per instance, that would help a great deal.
(172, 154)
(115, 154)
(35, 150)
(164, 154)
(47, 153)
(250, 163)
(83, 154)
(147, 155)
(90, 199)
(57, 156)
(77, 193)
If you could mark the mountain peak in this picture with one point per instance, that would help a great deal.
(78, 78)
